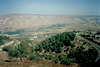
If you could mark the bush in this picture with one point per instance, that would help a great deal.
(58, 50)
(59, 57)
(13, 53)
(66, 61)
(33, 57)
(73, 45)
(1, 42)
(48, 57)
(6, 48)
(2, 39)
(55, 59)
(22, 50)
(41, 56)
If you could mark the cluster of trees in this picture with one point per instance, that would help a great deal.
(34, 56)
(86, 58)
(55, 43)
(2, 38)
(94, 37)
(22, 50)
(54, 58)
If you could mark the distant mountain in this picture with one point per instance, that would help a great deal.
(35, 21)
(90, 19)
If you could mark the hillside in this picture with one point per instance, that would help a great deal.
(42, 40)
(50, 22)
(35, 21)
(61, 49)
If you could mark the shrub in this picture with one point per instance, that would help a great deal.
(33, 57)
(41, 56)
(55, 59)
(73, 45)
(1, 42)
(22, 50)
(6, 48)
(48, 57)
(58, 50)
(13, 53)
(66, 61)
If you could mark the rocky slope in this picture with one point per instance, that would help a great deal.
(35, 21)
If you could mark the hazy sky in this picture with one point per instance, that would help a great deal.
(51, 7)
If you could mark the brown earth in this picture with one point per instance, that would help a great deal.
(14, 62)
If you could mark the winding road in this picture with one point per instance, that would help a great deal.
(93, 44)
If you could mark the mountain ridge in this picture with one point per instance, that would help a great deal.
(35, 21)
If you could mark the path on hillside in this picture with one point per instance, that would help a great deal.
(93, 44)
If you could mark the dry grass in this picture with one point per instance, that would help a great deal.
(3, 56)
(26, 63)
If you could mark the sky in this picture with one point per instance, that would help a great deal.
(50, 7)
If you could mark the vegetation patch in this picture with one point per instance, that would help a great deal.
(3, 39)
(59, 48)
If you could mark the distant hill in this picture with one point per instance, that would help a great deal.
(90, 19)
(35, 21)
(53, 22)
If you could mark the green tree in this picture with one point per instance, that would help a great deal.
(66, 61)
(58, 50)
(1, 42)
(22, 47)
(21, 51)
(14, 53)
(73, 45)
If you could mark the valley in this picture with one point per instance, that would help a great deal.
(49, 39)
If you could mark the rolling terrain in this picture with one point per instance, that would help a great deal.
(12, 22)
(48, 40)
(35, 21)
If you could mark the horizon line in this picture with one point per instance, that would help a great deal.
(48, 14)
